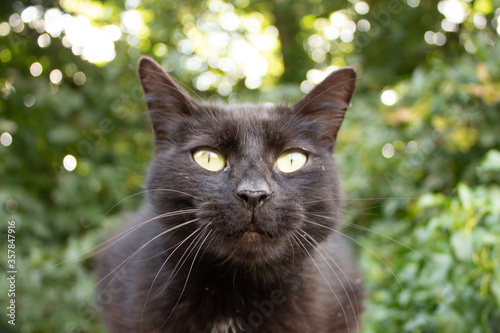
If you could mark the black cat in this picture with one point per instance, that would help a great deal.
(239, 230)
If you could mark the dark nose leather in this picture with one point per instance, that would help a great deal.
(253, 198)
(253, 193)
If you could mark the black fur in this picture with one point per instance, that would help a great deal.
(203, 255)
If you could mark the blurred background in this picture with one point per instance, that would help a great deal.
(419, 150)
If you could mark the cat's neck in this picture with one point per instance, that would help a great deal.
(234, 288)
(213, 272)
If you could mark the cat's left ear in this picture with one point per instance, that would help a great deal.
(326, 104)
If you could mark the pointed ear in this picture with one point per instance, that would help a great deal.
(167, 102)
(326, 104)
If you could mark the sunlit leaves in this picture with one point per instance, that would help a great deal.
(226, 45)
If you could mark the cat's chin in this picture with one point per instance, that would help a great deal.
(252, 237)
(252, 247)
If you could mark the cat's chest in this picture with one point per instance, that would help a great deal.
(257, 321)
(234, 310)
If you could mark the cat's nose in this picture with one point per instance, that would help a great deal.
(253, 190)
(253, 198)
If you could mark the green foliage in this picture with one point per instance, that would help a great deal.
(421, 172)
(446, 276)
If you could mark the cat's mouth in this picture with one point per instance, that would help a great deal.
(252, 233)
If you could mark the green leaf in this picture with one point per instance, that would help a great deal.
(491, 161)
(495, 287)
(465, 195)
(461, 241)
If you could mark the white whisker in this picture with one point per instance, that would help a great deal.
(334, 272)
(161, 268)
(187, 278)
(370, 230)
(126, 261)
(139, 193)
(372, 253)
(324, 278)
(121, 235)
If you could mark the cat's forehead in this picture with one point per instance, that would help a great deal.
(250, 112)
(266, 126)
(249, 119)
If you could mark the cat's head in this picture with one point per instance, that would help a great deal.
(254, 178)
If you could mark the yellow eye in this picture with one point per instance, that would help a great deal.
(209, 159)
(291, 161)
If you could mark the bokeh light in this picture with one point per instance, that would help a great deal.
(132, 22)
(69, 162)
(361, 7)
(453, 10)
(388, 150)
(29, 100)
(11, 206)
(389, 97)
(226, 46)
(55, 76)
(44, 40)
(413, 3)
(6, 139)
(411, 147)
(112, 32)
(16, 23)
(31, 13)
(4, 29)
(93, 44)
(5, 55)
(36, 69)
(79, 78)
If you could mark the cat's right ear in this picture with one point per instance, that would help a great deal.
(167, 102)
